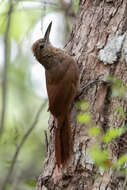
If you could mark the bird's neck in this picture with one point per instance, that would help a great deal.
(53, 57)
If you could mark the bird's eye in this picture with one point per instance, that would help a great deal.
(42, 46)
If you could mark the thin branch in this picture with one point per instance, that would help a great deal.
(32, 126)
(46, 141)
(5, 69)
(15, 181)
(42, 2)
(91, 83)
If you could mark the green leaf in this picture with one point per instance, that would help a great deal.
(30, 183)
(8, 186)
(75, 5)
(84, 118)
(99, 156)
(83, 105)
(120, 161)
(94, 131)
(112, 133)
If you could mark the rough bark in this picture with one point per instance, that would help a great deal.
(98, 43)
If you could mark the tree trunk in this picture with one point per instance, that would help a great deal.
(99, 44)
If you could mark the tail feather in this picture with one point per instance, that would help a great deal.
(63, 141)
(57, 146)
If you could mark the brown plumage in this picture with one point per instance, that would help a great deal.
(62, 80)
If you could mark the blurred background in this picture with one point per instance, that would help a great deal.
(22, 85)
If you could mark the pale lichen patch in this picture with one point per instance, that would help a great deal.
(110, 52)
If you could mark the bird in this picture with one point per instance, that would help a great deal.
(62, 83)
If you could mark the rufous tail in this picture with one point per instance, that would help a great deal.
(63, 141)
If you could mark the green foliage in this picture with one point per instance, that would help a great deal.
(112, 133)
(99, 156)
(84, 118)
(8, 186)
(19, 28)
(31, 183)
(120, 161)
(94, 131)
(75, 4)
(22, 101)
(102, 157)
(21, 21)
(82, 105)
